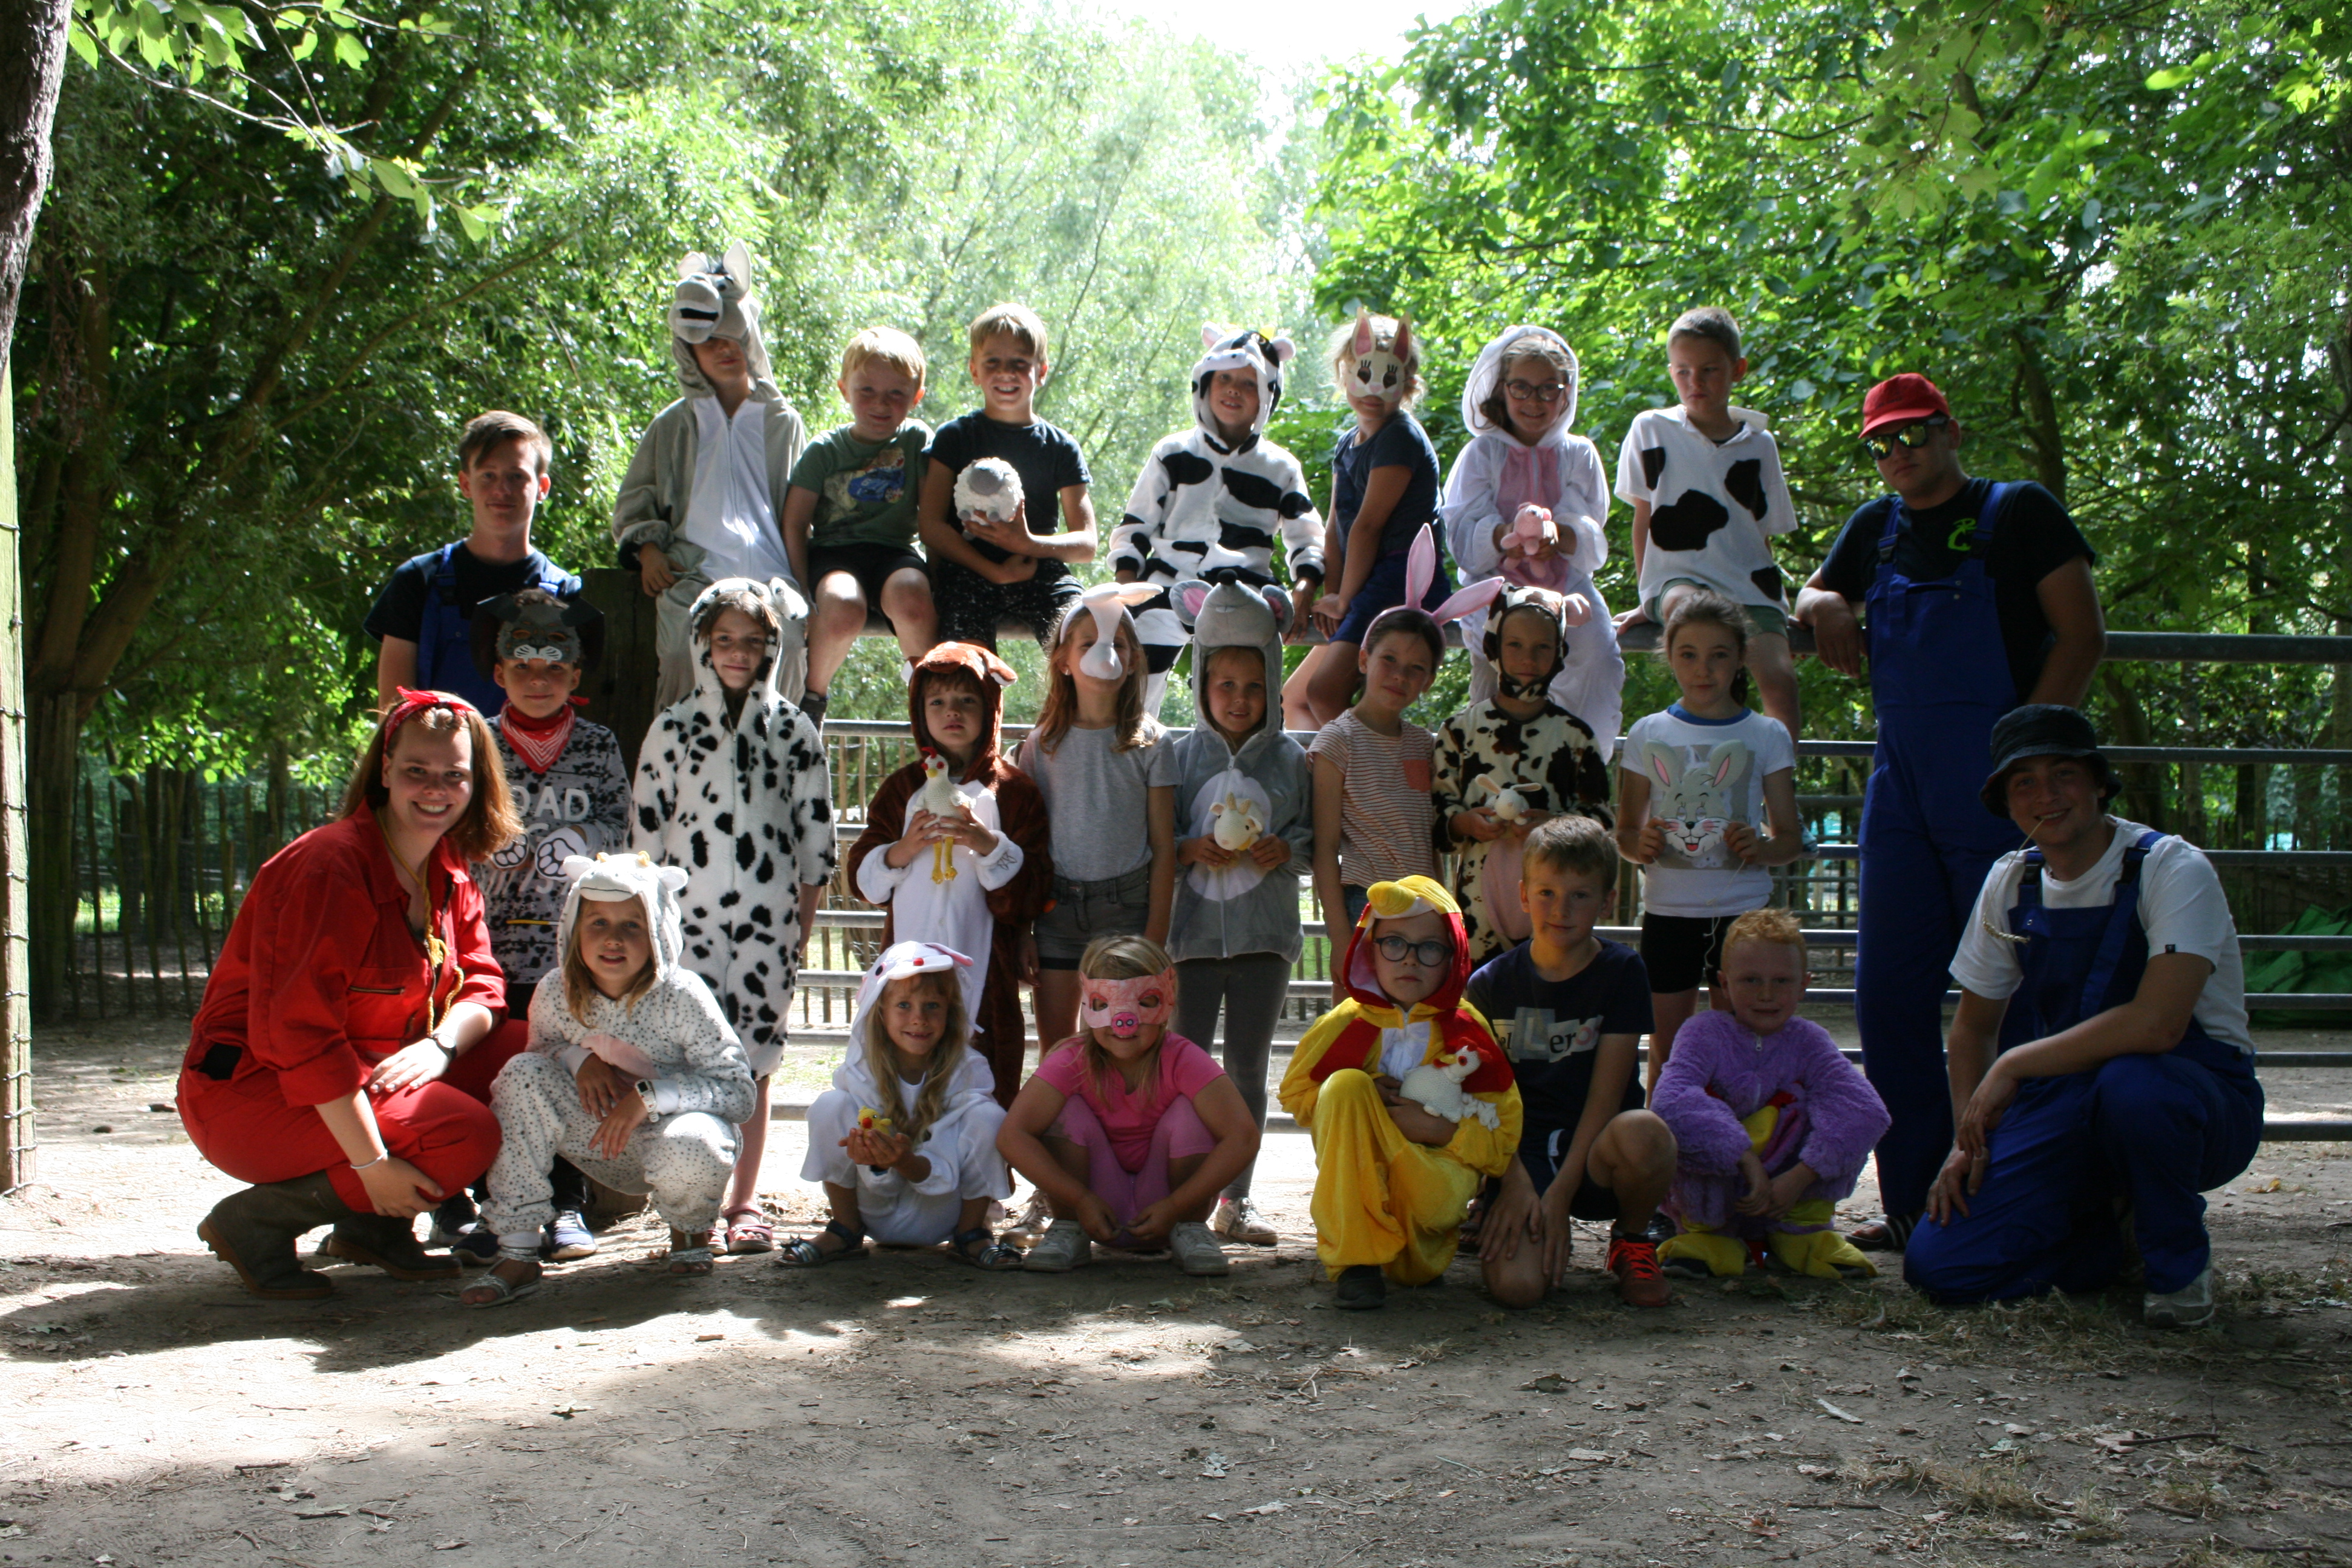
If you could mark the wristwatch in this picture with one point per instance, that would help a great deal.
(449, 1052)
(645, 1093)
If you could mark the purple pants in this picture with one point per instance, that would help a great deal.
(1126, 1192)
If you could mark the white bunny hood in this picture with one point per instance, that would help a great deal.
(713, 298)
(610, 878)
(1232, 348)
(1486, 373)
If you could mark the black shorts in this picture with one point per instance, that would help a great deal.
(1683, 953)
(1541, 1149)
(972, 607)
(871, 564)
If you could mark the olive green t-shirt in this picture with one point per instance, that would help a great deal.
(866, 491)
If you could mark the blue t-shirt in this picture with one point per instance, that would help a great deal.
(1551, 1029)
(1401, 443)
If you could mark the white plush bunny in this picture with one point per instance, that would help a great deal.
(1509, 803)
(1436, 1087)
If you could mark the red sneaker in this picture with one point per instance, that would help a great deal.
(1634, 1260)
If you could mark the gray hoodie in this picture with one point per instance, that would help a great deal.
(1224, 914)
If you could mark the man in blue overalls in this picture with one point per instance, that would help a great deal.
(2104, 963)
(1979, 597)
(423, 617)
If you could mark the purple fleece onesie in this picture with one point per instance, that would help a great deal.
(1722, 1072)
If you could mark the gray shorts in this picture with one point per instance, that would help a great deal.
(1116, 906)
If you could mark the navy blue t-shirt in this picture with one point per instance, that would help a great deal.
(1401, 443)
(1047, 460)
(1551, 1029)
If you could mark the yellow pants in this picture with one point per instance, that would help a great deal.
(1379, 1197)
(1823, 1254)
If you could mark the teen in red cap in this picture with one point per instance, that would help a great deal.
(1979, 597)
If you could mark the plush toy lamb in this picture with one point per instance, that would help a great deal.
(1436, 1087)
(1239, 822)
(989, 488)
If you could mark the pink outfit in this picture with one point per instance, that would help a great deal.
(1530, 477)
(1129, 1124)
(1179, 1133)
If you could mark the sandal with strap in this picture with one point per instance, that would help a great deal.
(749, 1232)
(979, 1248)
(691, 1253)
(802, 1252)
(1887, 1233)
(501, 1290)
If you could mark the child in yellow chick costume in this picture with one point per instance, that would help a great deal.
(1393, 1179)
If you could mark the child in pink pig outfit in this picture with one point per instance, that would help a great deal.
(1129, 1131)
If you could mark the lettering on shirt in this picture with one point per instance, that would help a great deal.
(553, 805)
(1534, 1035)
(1963, 533)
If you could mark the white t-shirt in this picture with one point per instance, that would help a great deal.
(1704, 774)
(2181, 908)
(729, 512)
(1711, 506)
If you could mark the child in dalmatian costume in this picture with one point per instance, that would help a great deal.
(1216, 496)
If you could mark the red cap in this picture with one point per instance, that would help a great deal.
(1900, 400)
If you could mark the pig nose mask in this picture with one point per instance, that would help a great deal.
(1124, 1006)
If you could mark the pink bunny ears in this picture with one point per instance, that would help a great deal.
(1109, 603)
(1420, 573)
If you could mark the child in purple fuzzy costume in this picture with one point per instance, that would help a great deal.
(1772, 1123)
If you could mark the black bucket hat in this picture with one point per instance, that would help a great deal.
(2041, 729)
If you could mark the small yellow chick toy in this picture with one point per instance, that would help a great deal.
(872, 1121)
(938, 796)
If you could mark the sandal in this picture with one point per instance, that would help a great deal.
(1887, 1233)
(978, 1247)
(495, 1289)
(691, 1252)
(749, 1232)
(802, 1252)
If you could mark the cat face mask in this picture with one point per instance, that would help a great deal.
(1125, 1007)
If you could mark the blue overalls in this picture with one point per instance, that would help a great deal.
(1939, 679)
(445, 638)
(2153, 1132)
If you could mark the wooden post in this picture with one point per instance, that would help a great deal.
(97, 898)
(18, 1140)
(620, 690)
(196, 858)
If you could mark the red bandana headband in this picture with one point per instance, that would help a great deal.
(412, 703)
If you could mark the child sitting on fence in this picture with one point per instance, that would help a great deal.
(905, 1140)
(972, 879)
(632, 1074)
(1771, 1122)
(1128, 1130)
(731, 787)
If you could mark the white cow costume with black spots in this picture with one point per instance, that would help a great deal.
(745, 807)
(671, 1036)
(1200, 504)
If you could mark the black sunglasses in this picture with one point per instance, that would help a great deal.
(1913, 436)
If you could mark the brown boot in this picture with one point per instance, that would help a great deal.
(254, 1232)
(389, 1244)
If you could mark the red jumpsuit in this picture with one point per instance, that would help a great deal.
(320, 980)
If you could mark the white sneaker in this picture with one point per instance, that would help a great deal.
(2190, 1306)
(1196, 1250)
(1062, 1248)
(1030, 1228)
(1237, 1219)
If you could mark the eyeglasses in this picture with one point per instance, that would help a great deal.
(1429, 954)
(1913, 437)
(1529, 392)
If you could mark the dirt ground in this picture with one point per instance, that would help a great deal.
(908, 1409)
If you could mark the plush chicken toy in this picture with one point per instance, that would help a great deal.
(940, 796)
(872, 1121)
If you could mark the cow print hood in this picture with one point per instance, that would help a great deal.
(1232, 349)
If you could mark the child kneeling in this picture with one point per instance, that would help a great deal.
(1128, 1130)
(905, 1140)
(1773, 1122)
(1393, 1177)
(633, 1074)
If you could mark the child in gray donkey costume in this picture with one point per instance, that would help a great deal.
(632, 1074)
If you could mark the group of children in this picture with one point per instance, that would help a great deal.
(1480, 1045)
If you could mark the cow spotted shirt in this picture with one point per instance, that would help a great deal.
(1712, 506)
(1553, 764)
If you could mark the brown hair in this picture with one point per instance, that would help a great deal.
(1497, 406)
(1123, 958)
(1060, 709)
(1712, 323)
(487, 432)
(932, 1098)
(1009, 321)
(489, 823)
(750, 601)
(1705, 607)
(1408, 619)
(1778, 928)
(888, 344)
(1573, 844)
(580, 987)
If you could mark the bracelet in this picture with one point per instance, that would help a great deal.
(372, 1164)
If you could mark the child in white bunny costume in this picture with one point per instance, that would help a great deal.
(1528, 500)
(702, 494)
(632, 1074)
(1217, 495)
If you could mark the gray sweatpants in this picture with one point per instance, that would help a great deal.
(683, 1159)
(1249, 987)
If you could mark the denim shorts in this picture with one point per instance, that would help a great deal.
(1383, 589)
(1116, 906)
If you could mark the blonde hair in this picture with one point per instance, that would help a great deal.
(888, 344)
(932, 1099)
(490, 822)
(1009, 321)
(1384, 336)
(1776, 928)
(1060, 709)
(580, 987)
(1123, 958)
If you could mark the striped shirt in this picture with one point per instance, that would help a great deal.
(1386, 813)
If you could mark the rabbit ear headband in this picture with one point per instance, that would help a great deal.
(902, 959)
(1420, 575)
(1109, 603)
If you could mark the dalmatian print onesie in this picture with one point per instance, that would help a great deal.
(685, 1152)
(745, 807)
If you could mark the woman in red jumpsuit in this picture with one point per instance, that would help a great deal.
(334, 1063)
